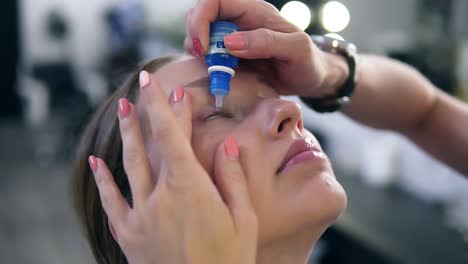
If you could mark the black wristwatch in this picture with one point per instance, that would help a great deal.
(342, 96)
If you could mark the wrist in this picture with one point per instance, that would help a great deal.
(335, 92)
(337, 72)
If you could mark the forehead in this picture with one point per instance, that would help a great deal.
(180, 72)
(188, 69)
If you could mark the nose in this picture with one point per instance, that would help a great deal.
(283, 118)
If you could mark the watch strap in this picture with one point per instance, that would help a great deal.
(343, 94)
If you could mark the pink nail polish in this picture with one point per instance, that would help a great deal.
(235, 41)
(178, 94)
(93, 163)
(230, 148)
(144, 79)
(197, 47)
(124, 108)
(112, 230)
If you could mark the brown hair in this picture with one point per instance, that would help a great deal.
(102, 138)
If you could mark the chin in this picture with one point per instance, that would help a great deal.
(324, 199)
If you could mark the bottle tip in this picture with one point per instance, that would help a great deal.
(219, 101)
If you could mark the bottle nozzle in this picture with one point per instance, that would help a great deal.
(219, 101)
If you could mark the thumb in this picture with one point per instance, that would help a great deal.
(265, 44)
(232, 184)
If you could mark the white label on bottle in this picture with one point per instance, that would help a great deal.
(217, 42)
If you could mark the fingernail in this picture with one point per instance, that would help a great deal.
(114, 234)
(230, 148)
(124, 108)
(236, 41)
(93, 163)
(197, 47)
(144, 79)
(178, 95)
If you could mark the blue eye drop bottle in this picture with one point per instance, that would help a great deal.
(220, 63)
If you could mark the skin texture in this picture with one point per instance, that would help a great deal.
(206, 186)
(295, 206)
(389, 94)
(392, 95)
(176, 214)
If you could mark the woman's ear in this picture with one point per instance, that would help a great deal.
(112, 230)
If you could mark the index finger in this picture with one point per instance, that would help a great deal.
(171, 131)
(172, 143)
(247, 14)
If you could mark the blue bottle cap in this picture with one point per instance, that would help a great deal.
(223, 25)
(219, 84)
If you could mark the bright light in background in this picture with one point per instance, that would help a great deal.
(335, 16)
(334, 36)
(297, 13)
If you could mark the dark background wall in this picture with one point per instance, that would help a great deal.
(9, 36)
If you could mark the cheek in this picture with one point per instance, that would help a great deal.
(205, 143)
(204, 151)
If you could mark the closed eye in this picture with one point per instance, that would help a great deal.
(217, 114)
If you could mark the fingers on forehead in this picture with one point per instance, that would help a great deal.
(165, 132)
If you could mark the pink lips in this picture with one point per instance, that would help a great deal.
(301, 150)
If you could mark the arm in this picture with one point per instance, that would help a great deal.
(392, 95)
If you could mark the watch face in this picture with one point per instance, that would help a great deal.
(333, 45)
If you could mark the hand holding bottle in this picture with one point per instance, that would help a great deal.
(294, 64)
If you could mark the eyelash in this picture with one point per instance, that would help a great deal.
(218, 114)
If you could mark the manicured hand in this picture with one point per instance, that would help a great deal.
(178, 215)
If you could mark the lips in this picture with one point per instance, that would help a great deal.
(301, 150)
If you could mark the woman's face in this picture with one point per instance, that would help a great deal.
(292, 193)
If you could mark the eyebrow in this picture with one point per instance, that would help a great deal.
(265, 81)
(205, 82)
(202, 82)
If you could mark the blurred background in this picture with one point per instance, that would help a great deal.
(63, 57)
